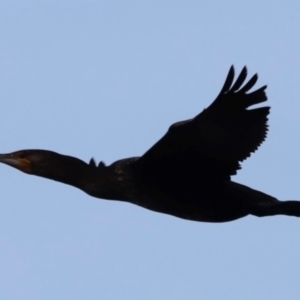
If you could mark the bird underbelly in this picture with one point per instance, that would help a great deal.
(194, 209)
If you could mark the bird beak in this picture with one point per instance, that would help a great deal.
(22, 164)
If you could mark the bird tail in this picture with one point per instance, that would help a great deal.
(288, 208)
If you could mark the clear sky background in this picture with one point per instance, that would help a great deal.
(105, 79)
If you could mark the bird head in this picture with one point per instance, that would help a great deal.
(38, 161)
(24, 160)
(47, 164)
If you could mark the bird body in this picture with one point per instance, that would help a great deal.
(187, 173)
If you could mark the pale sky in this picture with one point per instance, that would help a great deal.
(105, 79)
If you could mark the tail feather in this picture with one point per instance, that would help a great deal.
(288, 208)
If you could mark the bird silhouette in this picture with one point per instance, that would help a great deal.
(187, 173)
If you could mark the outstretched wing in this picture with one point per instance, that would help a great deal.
(213, 143)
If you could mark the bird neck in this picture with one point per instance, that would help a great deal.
(65, 169)
(100, 182)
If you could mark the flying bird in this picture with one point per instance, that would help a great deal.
(187, 173)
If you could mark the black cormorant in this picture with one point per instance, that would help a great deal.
(187, 172)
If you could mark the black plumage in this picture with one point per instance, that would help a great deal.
(187, 173)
